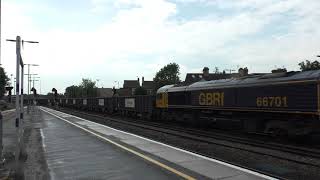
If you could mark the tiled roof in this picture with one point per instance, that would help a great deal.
(195, 77)
(148, 84)
(131, 84)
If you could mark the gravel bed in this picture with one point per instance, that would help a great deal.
(263, 163)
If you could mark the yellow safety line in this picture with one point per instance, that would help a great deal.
(185, 176)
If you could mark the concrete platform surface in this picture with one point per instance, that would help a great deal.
(78, 148)
(32, 163)
(72, 153)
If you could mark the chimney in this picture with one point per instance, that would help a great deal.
(142, 80)
(240, 72)
(243, 72)
(138, 81)
(205, 72)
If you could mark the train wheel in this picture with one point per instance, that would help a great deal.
(278, 128)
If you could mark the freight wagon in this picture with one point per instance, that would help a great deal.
(279, 103)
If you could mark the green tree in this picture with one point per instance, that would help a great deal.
(89, 88)
(307, 65)
(73, 91)
(169, 74)
(3, 81)
(140, 91)
(216, 70)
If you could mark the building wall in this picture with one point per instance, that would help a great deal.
(104, 92)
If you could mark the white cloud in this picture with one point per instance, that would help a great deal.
(144, 35)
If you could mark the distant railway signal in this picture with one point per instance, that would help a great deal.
(55, 92)
(34, 91)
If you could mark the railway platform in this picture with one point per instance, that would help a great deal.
(69, 147)
(157, 160)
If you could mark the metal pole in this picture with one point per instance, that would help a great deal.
(28, 108)
(14, 90)
(17, 81)
(19, 107)
(28, 79)
(17, 101)
(0, 31)
(22, 109)
(11, 80)
(21, 125)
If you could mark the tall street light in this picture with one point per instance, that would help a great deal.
(19, 106)
(34, 79)
(11, 80)
(29, 76)
(14, 86)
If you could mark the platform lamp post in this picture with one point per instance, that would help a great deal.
(29, 75)
(29, 79)
(32, 76)
(33, 80)
(14, 86)
(11, 79)
(19, 106)
(29, 84)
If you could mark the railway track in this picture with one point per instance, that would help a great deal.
(261, 147)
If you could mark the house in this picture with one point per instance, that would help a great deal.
(149, 86)
(129, 86)
(104, 92)
(123, 92)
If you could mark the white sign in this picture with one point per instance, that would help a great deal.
(129, 102)
(74, 101)
(85, 102)
(101, 102)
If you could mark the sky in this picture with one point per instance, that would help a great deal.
(114, 40)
